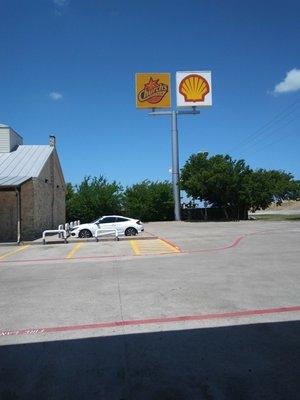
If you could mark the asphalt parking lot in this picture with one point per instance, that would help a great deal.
(187, 311)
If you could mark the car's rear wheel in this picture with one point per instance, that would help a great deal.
(85, 233)
(131, 232)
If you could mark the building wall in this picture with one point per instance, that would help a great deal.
(42, 204)
(27, 211)
(9, 213)
(49, 197)
(9, 139)
(8, 216)
(15, 140)
(4, 140)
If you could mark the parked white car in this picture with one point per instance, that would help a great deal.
(125, 226)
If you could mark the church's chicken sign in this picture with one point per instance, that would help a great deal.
(153, 90)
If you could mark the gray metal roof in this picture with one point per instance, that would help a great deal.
(22, 164)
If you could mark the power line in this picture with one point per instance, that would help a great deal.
(281, 116)
(286, 112)
(274, 142)
(261, 140)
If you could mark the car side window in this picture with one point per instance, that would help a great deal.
(119, 219)
(107, 220)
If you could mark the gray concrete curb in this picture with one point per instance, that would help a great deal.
(73, 240)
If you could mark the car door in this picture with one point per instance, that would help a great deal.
(108, 223)
(122, 224)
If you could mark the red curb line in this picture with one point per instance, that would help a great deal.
(234, 244)
(233, 314)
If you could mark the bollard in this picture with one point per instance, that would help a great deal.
(60, 228)
(59, 231)
(103, 232)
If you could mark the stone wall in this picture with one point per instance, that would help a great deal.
(42, 204)
(8, 216)
(27, 211)
(49, 197)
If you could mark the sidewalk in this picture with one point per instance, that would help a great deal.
(54, 239)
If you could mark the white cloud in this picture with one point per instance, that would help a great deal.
(60, 7)
(61, 3)
(291, 82)
(55, 96)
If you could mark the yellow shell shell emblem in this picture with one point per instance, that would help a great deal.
(194, 88)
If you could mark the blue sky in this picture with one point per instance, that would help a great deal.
(68, 68)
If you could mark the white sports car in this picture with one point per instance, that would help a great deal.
(125, 226)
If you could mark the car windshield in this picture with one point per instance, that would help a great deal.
(96, 220)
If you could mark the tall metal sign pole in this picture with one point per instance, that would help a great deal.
(175, 155)
(193, 89)
(175, 167)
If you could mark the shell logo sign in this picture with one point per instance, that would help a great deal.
(153, 90)
(193, 89)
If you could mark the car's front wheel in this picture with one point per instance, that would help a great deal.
(131, 232)
(85, 233)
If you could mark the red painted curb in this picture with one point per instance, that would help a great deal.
(234, 244)
(164, 320)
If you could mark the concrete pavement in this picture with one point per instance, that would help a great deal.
(156, 325)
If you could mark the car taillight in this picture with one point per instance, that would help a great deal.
(139, 222)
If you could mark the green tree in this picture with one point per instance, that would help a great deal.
(70, 202)
(92, 198)
(70, 191)
(218, 180)
(266, 187)
(233, 185)
(149, 201)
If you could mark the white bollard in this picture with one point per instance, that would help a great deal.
(51, 231)
(103, 232)
(60, 228)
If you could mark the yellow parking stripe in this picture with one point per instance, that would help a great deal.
(5, 255)
(155, 246)
(170, 246)
(135, 247)
(74, 250)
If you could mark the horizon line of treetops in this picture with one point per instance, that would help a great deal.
(220, 181)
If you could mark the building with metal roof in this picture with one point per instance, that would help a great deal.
(32, 187)
(24, 163)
